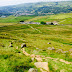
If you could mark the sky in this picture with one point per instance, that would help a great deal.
(14, 2)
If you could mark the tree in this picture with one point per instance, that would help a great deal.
(21, 21)
(43, 22)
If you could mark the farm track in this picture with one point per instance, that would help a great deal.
(34, 28)
(43, 57)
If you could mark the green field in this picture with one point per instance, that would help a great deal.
(14, 19)
(65, 18)
(35, 36)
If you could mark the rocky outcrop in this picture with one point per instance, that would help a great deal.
(42, 65)
(25, 53)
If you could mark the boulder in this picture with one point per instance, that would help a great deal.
(42, 65)
(23, 45)
(32, 70)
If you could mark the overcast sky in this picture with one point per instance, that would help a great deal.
(14, 2)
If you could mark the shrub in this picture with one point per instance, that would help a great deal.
(43, 22)
(21, 21)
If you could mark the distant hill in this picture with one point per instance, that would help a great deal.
(40, 8)
(6, 13)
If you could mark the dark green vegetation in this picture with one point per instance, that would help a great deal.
(13, 60)
(5, 13)
(40, 8)
(43, 22)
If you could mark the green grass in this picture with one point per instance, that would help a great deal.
(13, 19)
(64, 18)
(13, 60)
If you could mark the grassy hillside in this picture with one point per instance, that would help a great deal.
(13, 19)
(36, 38)
(64, 18)
(39, 8)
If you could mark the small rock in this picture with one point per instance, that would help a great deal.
(32, 59)
(17, 47)
(37, 48)
(49, 48)
(23, 45)
(33, 56)
(5, 34)
(10, 45)
(48, 43)
(42, 65)
(32, 70)
(53, 48)
(70, 50)
(59, 51)
(38, 56)
(65, 51)
(39, 59)
(71, 54)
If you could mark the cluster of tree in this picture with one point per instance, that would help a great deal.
(55, 10)
(39, 8)
(4, 13)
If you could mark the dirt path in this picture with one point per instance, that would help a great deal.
(34, 28)
(40, 58)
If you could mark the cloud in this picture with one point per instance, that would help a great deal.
(14, 2)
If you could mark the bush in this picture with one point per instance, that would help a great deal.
(43, 22)
(21, 21)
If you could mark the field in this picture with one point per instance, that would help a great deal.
(14, 19)
(36, 38)
(65, 18)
